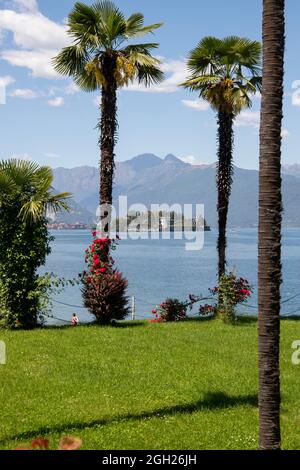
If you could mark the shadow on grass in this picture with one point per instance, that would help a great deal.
(290, 317)
(245, 320)
(211, 401)
(199, 319)
(123, 324)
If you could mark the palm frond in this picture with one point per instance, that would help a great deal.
(87, 80)
(43, 179)
(145, 30)
(59, 202)
(7, 185)
(71, 60)
(142, 48)
(83, 26)
(149, 75)
(111, 21)
(20, 171)
(32, 210)
(30, 184)
(196, 83)
(133, 24)
(140, 59)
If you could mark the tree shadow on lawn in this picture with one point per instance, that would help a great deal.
(211, 401)
(125, 324)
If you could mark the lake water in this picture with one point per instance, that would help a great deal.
(157, 269)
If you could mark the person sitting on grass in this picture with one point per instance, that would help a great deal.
(75, 320)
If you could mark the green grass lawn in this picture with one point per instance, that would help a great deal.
(188, 385)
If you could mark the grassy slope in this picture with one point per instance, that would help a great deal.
(190, 385)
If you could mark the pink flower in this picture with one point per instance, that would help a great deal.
(245, 292)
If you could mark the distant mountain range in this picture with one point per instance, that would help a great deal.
(149, 179)
(292, 170)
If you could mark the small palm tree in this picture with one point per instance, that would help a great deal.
(270, 213)
(26, 195)
(31, 185)
(226, 73)
(101, 58)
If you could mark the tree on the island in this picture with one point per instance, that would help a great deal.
(103, 57)
(270, 215)
(26, 194)
(226, 73)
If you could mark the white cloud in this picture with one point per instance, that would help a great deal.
(24, 93)
(252, 119)
(199, 105)
(296, 99)
(296, 93)
(39, 62)
(285, 133)
(6, 81)
(57, 102)
(71, 89)
(175, 71)
(189, 159)
(32, 30)
(36, 37)
(248, 119)
(192, 160)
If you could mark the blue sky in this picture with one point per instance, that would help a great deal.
(46, 119)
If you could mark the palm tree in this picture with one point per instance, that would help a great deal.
(270, 209)
(226, 73)
(30, 187)
(101, 58)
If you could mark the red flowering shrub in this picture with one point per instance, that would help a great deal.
(170, 310)
(207, 309)
(104, 287)
(230, 292)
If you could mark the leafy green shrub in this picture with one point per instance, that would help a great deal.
(23, 250)
(25, 196)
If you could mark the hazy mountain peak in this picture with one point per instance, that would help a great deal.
(170, 158)
(144, 161)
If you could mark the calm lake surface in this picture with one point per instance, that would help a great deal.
(157, 269)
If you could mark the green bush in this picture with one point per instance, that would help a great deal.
(25, 196)
(23, 249)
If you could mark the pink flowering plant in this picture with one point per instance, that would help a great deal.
(170, 310)
(231, 292)
(174, 309)
(104, 287)
(224, 299)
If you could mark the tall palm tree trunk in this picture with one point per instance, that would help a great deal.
(270, 209)
(224, 181)
(108, 126)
